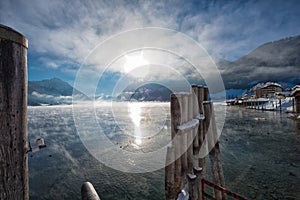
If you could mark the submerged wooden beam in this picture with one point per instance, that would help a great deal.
(13, 115)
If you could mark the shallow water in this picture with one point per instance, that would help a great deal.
(259, 151)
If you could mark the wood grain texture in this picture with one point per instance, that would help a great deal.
(13, 121)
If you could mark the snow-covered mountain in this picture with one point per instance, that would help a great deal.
(51, 92)
(147, 92)
(277, 61)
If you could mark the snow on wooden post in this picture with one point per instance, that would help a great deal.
(170, 174)
(176, 101)
(13, 115)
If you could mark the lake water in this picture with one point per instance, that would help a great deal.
(260, 152)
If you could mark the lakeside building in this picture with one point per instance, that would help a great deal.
(296, 94)
(266, 90)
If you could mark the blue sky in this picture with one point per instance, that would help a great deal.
(62, 33)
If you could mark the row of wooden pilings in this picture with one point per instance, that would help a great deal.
(193, 134)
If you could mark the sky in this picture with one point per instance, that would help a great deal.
(62, 34)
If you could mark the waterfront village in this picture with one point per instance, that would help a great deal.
(270, 96)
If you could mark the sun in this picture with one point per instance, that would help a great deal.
(134, 61)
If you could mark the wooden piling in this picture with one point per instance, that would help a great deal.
(280, 106)
(193, 193)
(190, 133)
(185, 108)
(184, 137)
(13, 115)
(205, 94)
(195, 93)
(88, 192)
(214, 155)
(205, 126)
(170, 174)
(293, 109)
(197, 172)
(175, 122)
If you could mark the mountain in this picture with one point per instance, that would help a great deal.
(147, 92)
(51, 92)
(277, 61)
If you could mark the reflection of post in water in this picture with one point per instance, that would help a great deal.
(194, 131)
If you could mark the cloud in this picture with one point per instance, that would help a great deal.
(64, 33)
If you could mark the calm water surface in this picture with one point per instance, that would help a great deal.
(260, 152)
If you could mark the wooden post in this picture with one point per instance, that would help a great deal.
(184, 137)
(201, 111)
(280, 107)
(175, 122)
(190, 134)
(169, 174)
(214, 155)
(200, 99)
(193, 194)
(197, 172)
(13, 115)
(206, 122)
(195, 113)
(205, 94)
(293, 109)
(88, 192)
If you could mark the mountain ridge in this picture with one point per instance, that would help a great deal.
(273, 61)
(52, 91)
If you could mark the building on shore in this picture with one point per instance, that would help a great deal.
(296, 94)
(266, 90)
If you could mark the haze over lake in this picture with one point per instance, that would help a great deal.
(259, 151)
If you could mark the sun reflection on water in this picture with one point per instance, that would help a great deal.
(135, 110)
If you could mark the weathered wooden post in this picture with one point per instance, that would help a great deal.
(280, 106)
(184, 134)
(170, 174)
(214, 155)
(175, 122)
(193, 193)
(197, 172)
(195, 93)
(191, 133)
(13, 115)
(88, 192)
(293, 108)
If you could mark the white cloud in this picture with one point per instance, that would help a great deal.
(68, 31)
